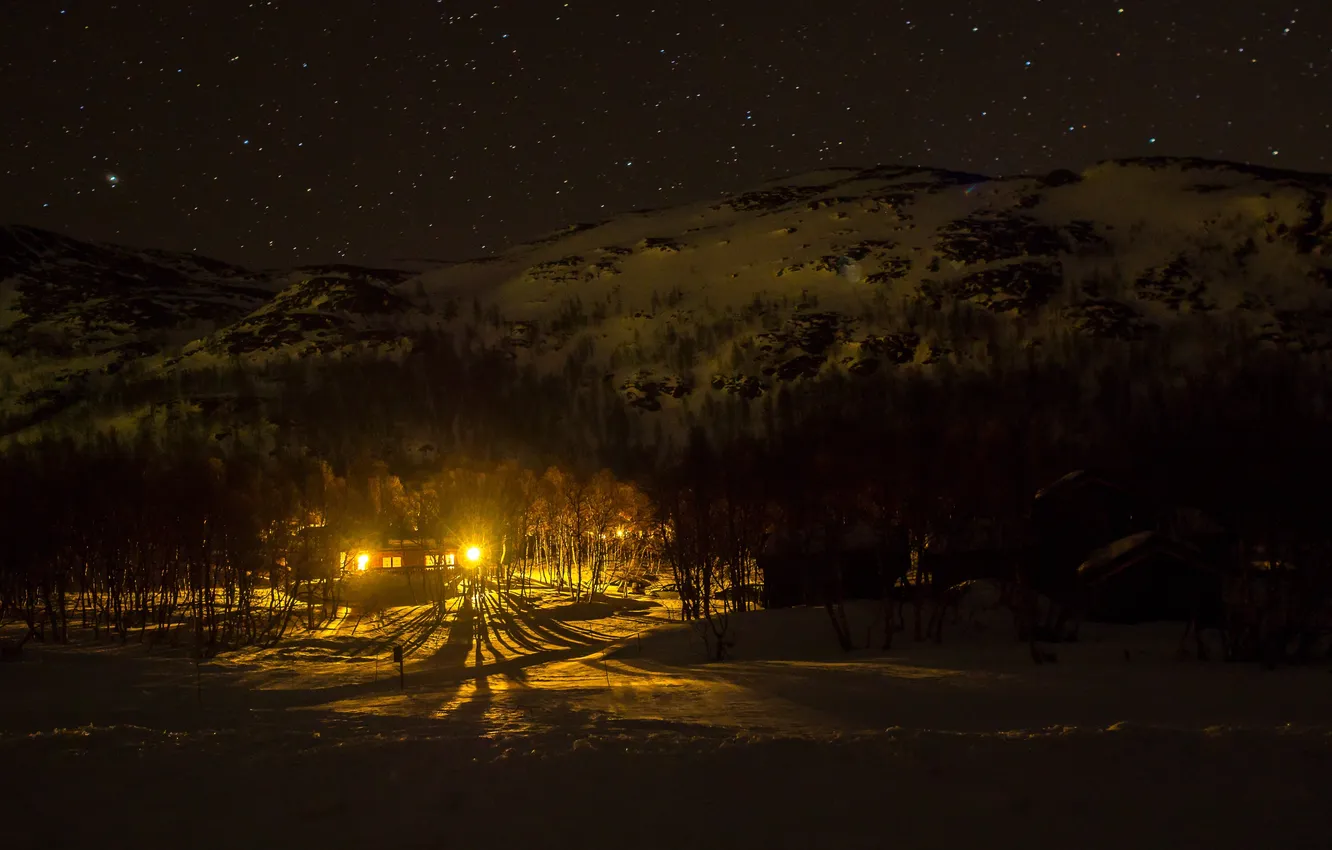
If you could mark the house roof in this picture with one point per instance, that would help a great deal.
(429, 543)
(1078, 479)
(1138, 549)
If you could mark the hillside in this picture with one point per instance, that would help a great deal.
(840, 270)
(74, 314)
(850, 271)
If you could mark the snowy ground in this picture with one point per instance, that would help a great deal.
(599, 725)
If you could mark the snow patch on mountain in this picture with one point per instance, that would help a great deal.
(844, 271)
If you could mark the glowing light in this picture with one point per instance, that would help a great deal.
(361, 561)
(473, 554)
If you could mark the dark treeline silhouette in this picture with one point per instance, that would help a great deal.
(937, 474)
(187, 543)
(131, 538)
(226, 514)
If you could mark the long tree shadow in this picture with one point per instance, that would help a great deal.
(540, 624)
(423, 635)
(516, 632)
(475, 708)
(544, 640)
(484, 633)
(295, 642)
(538, 632)
(392, 631)
(500, 633)
(556, 631)
(453, 652)
(498, 629)
(445, 668)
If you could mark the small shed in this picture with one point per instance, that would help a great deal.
(1084, 511)
(1150, 576)
(808, 572)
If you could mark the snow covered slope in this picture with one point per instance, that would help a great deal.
(575, 732)
(316, 315)
(74, 314)
(60, 295)
(843, 271)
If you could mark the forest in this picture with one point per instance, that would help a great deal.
(231, 533)
(138, 542)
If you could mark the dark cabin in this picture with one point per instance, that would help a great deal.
(807, 573)
(863, 567)
(1072, 520)
(1140, 564)
(1150, 576)
(1075, 516)
(1083, 512)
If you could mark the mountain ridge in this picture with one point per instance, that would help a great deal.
(843, 271)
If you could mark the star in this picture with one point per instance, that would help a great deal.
(442, 145)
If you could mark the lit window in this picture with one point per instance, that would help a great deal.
(392, 561)
(434, 560)
(450, 559)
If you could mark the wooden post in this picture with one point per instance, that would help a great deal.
(397, 656)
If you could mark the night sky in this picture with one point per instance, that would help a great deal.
(313, 130)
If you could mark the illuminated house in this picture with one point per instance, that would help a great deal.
(404, 554)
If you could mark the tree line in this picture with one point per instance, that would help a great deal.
(229, 533)
(952, 461)
(136, 539)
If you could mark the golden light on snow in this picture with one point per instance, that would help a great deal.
(473, 554)
(361, 561)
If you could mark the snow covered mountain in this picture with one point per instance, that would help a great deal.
(843, 269)
(61, 295)
(851, 271)
(74, 314)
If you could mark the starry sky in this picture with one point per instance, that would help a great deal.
(293, 131)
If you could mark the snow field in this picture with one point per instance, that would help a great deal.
(583, 730)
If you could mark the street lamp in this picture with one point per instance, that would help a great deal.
(473, 555)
